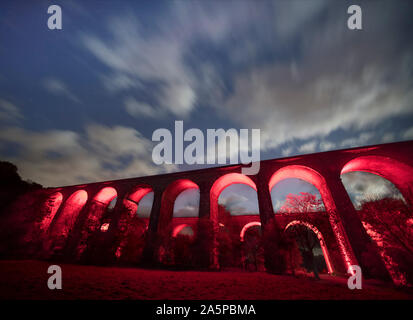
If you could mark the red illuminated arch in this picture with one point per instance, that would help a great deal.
(131, 201)
(320, 238)
(106, 195)
(400, 174)
(179, 228)
(139, 192)
(312, 176)
(64, 223)
(168, 199)
(220, 184)
(99, 205)
(51, 206)
(246, 227)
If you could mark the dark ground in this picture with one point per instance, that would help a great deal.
(28, 280)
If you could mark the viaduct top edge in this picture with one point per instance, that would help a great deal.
(401, 144)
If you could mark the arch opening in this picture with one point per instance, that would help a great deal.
(385, 215)
(179, 206)
(169, 197)
(294, 195)
(311, 176)
(226, 195)
(305, 235)
(137, 206)
(63, 223)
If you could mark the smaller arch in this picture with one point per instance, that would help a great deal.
(246, 227)
(320, 239)
(179, 228)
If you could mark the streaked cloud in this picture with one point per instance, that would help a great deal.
(9, 112)
(58, 157)
(58, 87)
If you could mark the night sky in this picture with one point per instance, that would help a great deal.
(80, 104)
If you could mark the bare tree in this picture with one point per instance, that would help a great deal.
(300, 203)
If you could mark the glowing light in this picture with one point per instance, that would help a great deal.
(180, 228)
(246, 227)
(104, 227)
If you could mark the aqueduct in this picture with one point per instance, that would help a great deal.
(71, 210)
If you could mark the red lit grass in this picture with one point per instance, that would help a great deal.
(27, 280)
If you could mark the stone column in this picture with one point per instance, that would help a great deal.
(149, 255)
(207, 230)
(355, 244)
(264, 199)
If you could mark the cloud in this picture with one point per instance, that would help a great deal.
(408, 134)
(388, 137)
(57, 87)
(362, 139)
(135, 59)
(187, 211)
(235, 203)
(327, 145)
(137, 109)
(9, 112)
(308, 147)
(363, 186)
(57, 157)
(287, 151)
(338, 80)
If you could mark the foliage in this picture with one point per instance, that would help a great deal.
(303, 202)
(389, 223)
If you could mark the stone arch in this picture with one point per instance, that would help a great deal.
(320, 239)
(131, 230)
(51, 206)
(99, 205)
(168, 200)
(64, 222)
(95, 213)
(179, 228)
(220, 184)
(399, 173)
(133, 198)
(312, 176)
(246, 227)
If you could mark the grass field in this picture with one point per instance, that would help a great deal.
(28, 280)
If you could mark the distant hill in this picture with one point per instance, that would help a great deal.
(12, 185)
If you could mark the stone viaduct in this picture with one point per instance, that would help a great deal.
(70, 210)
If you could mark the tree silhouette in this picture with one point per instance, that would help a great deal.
(389, 222)
(300, 203)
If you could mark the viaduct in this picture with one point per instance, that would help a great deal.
(69, 215)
